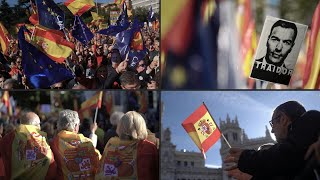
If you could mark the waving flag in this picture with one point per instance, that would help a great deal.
(151, 16)
(34, 15)
(136, 41)
(50, 15)
(202, 128)
(121, 24)
(52, 44)
(122, 42)
(78, 7)
(81, 32)
(40, 70)
(87, 106)
(119, 2)
(311, 78)
(135, 57)
(4, 41)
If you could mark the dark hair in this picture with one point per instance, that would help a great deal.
(292, 109)
(285, 24)
(128, 77)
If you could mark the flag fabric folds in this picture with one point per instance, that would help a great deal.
(52, 44)
(135, 57)
(311, 79)
(202, 128)
(121, 24)
(78, 7)
(87, 106)
(40, 71)
(50, 15)
(123, 41)
(136, 41)
(34, 15)
(4, 41)
(119, 2)
(81, 32)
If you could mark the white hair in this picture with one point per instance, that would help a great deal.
(68, 120)
(132, 124)
(115, 117)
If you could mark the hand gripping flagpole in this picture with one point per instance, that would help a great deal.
(225, 139)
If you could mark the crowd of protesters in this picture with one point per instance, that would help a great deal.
(61, 146)
(97, 65)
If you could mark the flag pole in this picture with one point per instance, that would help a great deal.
(99, 101)
(218, 127)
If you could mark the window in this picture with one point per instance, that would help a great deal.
(185, 164)
(235, 136)
(192, 164)
(178, 163)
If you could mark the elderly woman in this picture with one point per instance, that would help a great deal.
(75, 155)
(130, 156)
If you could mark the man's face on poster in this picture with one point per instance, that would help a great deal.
(279, 44)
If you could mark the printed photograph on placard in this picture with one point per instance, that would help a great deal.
(278, 50)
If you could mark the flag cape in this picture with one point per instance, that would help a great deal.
(52, 44)
(40, 70)
(311, 78)
(4, 41)
(87, 106)
(50, 15)
(202, 128)
(78, 7)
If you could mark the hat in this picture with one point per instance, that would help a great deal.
(292, 109)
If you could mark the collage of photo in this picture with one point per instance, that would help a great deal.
(159, 90)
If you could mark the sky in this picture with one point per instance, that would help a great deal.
(253, 109)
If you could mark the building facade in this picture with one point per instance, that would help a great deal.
(146, 3)
(187, 165)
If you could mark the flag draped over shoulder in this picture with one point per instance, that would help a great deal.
(40, 70)
(7, 103)
(87, 106)
(4, 41)
(202, 128)
(78, 7)
(121, 24)
(81, 32)
(50, 15)
(52, 44)
(311, 78)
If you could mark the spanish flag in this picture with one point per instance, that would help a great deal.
(7, 103)
(4, 41)
(34, 19)
(119, 2)
(202, 129)
(311, 79)
(78, 7)
(87, 106)
(52, 44)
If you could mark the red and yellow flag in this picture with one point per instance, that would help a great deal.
(34, 19)
(52, 44)
(6, 102)
(4, 40)
(311, 79)
(119, 2)
(137, 42)
(87, 106)
(78, 7)
(202, 129)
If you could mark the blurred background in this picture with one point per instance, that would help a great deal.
(210, 44)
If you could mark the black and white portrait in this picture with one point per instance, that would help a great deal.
(278, 50)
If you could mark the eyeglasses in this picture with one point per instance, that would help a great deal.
(272, 120)
(142, 65)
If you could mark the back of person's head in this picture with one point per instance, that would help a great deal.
(292, 109)
(132, 125)
(11, 84)
(28, 117)
(78, 70)
(129, 78)
(115, 117)
(68, 120)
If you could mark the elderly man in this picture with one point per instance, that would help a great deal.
(295, 129)
(75, 154)
(25, 152)
(280, 42)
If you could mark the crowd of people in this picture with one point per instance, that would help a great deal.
(97, 65)
(294, 156)
(63, 147)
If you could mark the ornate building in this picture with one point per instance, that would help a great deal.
(186, 165)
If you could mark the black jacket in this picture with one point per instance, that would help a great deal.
(287, 158)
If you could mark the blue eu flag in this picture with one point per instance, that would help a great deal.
(50, 15)
(40, 70)
(121, 24)
(81, 32)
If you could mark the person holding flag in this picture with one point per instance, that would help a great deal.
(76, 155)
